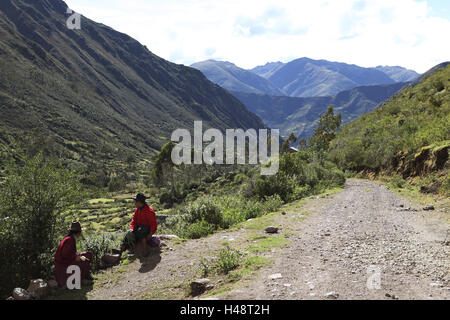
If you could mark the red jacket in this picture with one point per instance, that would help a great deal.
(66, 252)
(144, 217)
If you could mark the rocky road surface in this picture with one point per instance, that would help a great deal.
(363, 243)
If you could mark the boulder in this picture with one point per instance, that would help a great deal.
(272, 230)
(199, 286)
(21, 294)
(429, 208)
(111, 259)
(38, 289)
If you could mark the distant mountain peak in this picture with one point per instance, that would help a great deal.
(231, 77)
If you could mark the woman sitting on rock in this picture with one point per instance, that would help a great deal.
(66, 255)
(142, 227)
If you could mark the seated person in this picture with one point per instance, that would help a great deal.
(142, 227)
(66, 255)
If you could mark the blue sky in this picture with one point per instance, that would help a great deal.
(410, 33)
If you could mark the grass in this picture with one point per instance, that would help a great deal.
(267, 243)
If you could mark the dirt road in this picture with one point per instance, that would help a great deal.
(362, 243)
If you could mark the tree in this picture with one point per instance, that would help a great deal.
(326, 130)
(286, 144)
(33, 196)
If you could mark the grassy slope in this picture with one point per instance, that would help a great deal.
(409, 134)
(96, 90)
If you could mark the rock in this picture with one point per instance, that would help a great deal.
(10, 298)
(332, 295)
(199, 286)
(429, 208)
(21, 294)
(38, 289)
(52, 284)
(111, 259)
(271, 230)
(168, 237)
(284, 213)
(275, 276)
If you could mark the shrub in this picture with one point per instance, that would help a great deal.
(226, 260)
(33, 196)
(203, 209)
(197, 230)
(99, 244)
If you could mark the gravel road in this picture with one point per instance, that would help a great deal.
(363, 243)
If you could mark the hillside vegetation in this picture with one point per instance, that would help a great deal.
(409, 134)
(97, 93)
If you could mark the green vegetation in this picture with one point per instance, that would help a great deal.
(33, 196)
(408, 134)
(226, 260)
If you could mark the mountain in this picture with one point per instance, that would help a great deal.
(231, 77)
(409, 134)
(96, 90)
(399, 74)
(308, 78)
(300, 115)
(268, 69)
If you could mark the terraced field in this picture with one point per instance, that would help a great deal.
(105, 214)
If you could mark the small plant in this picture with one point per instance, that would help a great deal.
(99, 245)
(226, 260)
(206, 267)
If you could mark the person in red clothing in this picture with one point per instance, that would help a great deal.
(66, 255)
(143, 225)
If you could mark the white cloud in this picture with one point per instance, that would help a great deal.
(253, 32)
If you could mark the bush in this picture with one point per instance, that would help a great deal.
(99, 245)
(226, 260)
(33, 196)
(197, 230)
(203, 209)
(117, 184)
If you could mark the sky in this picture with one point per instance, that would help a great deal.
(408, 33)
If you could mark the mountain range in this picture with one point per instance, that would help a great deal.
(96, 90)
(300, 115)
(302, 77)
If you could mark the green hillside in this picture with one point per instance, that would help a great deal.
(409, 134)
(95, 92)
